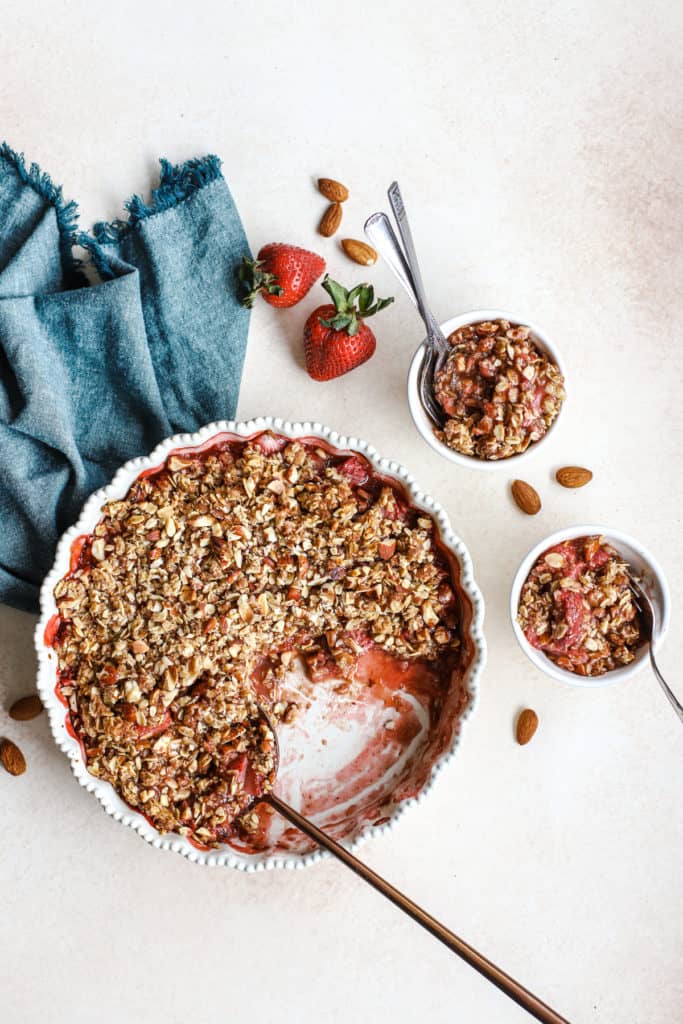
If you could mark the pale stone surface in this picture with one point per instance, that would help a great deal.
(540, 152)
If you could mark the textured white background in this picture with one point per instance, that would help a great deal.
(540, 151)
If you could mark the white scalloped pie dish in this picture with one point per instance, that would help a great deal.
(392, 809)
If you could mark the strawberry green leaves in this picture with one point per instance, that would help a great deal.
(351, 306)
(252, 280)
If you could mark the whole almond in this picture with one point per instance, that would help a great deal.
(331, 220)
(527, 724)
(359, 252)
(573, 476)
(333, 190)
(12, 758)
(26, 707)
(526, 497)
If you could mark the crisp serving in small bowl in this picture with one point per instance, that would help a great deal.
(572, 608)
(261, 564)
(502, 390)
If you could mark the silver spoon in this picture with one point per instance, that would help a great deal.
(522, 996)
(646, 611)
(403, 261)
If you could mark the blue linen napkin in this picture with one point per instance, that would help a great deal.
(94, 374)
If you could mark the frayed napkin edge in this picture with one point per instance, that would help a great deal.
(66, 213)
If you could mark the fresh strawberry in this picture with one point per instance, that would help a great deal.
(336, 339)
(282, 273)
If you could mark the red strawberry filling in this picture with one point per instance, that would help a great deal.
(270, 443)
(354, 470)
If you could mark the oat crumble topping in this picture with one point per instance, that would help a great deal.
(500, 392)
(219, 568)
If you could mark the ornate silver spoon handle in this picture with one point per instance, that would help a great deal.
(399, 210)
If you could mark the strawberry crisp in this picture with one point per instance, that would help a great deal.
(576, 606)
(188, 602)
(499, 391)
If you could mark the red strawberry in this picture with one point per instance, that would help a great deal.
(282, 273)
(336, 339)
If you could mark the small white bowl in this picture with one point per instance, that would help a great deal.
(653, 581)
(424, 424)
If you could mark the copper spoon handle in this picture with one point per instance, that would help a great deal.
(527, 1000)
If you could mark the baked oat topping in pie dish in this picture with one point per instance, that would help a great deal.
(500, 391)
(197, 592)
(577, 607)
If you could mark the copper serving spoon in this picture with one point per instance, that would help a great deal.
(521, 995)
